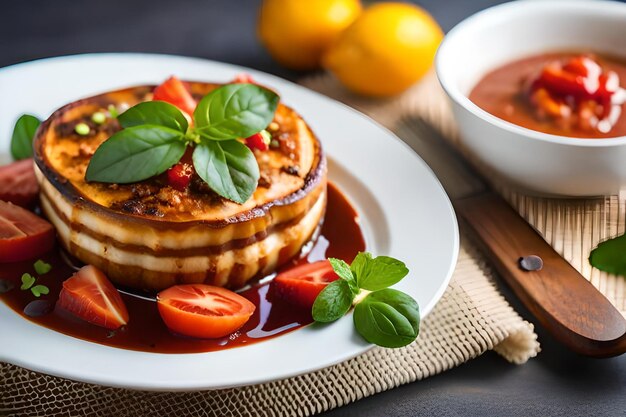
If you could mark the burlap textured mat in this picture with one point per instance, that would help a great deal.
(472, 317)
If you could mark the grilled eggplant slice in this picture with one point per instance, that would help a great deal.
(151, 236)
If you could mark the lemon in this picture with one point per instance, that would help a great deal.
(387, 49)
(297, 32)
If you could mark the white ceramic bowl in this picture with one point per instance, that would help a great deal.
(543, 163)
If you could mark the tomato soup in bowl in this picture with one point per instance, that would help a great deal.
(569, 94)
(537, 91)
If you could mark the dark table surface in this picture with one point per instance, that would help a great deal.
(556, 383)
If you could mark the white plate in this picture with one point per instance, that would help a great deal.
(404, 212)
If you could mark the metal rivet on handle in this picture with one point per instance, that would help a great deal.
(530, 263)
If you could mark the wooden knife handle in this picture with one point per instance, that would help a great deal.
(565, 303)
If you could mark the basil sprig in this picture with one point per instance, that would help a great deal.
(156, 135)
(385, 317)
(22, 138)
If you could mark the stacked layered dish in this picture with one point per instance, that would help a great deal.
(150, 236)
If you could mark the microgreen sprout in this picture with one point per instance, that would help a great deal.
(82, 129)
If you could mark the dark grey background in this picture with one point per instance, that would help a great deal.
(556, 383)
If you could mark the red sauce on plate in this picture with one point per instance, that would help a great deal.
(340, 237)
(566, 94)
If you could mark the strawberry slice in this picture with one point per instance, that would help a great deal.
(18, 183)
(174, 92)
(89, 295)
(301, 285)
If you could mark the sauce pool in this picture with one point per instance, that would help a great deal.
(340, 237)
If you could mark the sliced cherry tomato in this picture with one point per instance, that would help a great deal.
(179, 176)
(556, 80)
(609, 85)
(301, 285)
(18, 183)
(203, 311)
(582, 65)
(89, 295)
(577, 87)
(259, 141)
(23, 235)
(174, 92)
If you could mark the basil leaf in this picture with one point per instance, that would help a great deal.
(375, 274)
(157, 113)
(360, 263)
(388, 318)
(22, 138)
(135, 154)
(333, 302)
(343, 270)
(609, 256)
(235, 111)
(228, 167)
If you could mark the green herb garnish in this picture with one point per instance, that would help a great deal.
(235, 111)
(385, 317)
(333, 303)
(22, 138)
(610, 256)
(157, 113)
(82, 129)
(156, 135)
(28, 281)
(135, 154)
(388, 318)
(42, 267)
(228, 167)
(98, 118)
(39, 290)
(113, 111)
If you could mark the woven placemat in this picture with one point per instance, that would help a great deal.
(471, 318)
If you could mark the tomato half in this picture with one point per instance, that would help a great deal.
(203, 311)
(301, 285)
(18, 183)
(23, 235)
(174, 92)
(89, 295)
